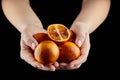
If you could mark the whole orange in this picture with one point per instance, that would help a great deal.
(47, 52)
(69, 51)
(41, 37)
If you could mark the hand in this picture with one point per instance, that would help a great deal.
(82, 40)
(28, 44)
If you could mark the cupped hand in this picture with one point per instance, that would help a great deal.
(83, 41)
(28, 44)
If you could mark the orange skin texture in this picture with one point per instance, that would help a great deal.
(47, 52)
(41, 37)
(69, 51)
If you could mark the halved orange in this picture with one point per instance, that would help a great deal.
(58, 32)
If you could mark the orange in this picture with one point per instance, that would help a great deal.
(69, 51)
(46, 52)
(72, 36)
(58, 44)
(58, 32)
(41, 37)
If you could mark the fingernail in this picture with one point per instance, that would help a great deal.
(33, 45)
(52, 68)
(79, 43)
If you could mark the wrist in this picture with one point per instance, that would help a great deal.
(31, 26)
(81, 25)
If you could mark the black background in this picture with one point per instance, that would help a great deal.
(102, 61)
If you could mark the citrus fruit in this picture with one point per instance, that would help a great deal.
(46, 52)
(58, 32)
(41, 37)
(69, 51)
(72, 36)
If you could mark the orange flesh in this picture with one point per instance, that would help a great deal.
(58, 32)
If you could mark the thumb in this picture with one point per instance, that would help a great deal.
(30, 41)
(80, 39)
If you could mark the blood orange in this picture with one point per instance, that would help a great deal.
(58, 32)
(69, 51)
(47, 52)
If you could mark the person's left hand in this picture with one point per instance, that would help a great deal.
(83, 41)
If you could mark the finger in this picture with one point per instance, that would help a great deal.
(80, 31)
(29, 40)
(73, 67)
(26, 53)
(42, 67)
(81, 36)
(56, 64)
(80, 39)
(51, 68)
(45, 67)
(80, 60)
(84, 53)
(63, 66)
(28, 57)
(85, 48)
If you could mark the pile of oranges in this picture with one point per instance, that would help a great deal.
(56, 45)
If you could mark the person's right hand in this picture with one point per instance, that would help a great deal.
(28, 44)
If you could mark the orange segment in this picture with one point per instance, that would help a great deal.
(58, 32)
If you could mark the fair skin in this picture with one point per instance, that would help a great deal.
(24, 19)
